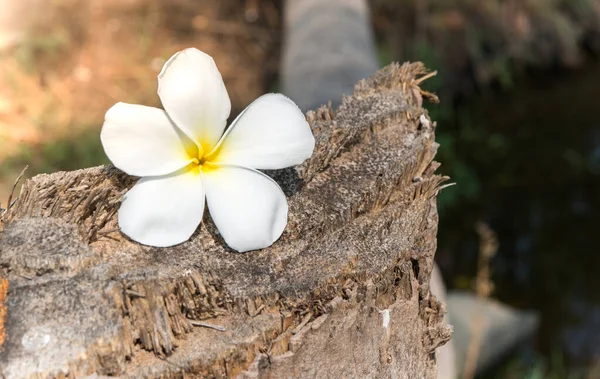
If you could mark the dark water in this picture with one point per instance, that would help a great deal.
(532, 162)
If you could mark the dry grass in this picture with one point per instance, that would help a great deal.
(488, 246)
(78, 58)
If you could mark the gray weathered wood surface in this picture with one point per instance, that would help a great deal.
(358, 248)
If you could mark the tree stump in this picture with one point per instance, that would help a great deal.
(343, 293)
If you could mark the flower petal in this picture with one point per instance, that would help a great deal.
(142, 141)
(193, 94)
(163, 211)
(271, 133)
(248, 207)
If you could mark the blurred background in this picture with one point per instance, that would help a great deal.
(519, 83)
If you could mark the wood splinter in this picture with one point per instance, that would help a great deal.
(207, 325)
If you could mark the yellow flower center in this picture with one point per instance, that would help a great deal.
(201, 161)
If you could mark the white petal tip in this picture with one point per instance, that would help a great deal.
(248, 207)
(163, 211)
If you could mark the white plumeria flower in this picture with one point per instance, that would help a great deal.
(184, 156)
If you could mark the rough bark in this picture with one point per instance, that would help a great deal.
(344, 292)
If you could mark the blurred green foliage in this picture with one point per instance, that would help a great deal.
(529, 365)
(79, 150)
